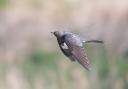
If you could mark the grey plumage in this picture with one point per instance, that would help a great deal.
(72, 47)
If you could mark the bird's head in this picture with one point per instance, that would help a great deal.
(58, 33)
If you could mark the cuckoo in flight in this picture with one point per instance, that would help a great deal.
(72, 46)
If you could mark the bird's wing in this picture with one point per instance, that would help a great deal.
(78, 52)
(66, 51)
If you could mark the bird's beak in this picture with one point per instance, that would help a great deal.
(52, 32)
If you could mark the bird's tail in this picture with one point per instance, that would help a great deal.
(94, 41)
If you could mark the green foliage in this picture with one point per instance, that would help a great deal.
(105, 72)
(3, 3)
(39, 63)
(122, 65)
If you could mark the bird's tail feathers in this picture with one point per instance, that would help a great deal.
(94, 41)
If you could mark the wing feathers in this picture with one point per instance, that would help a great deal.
(77, 51)
(80, 55)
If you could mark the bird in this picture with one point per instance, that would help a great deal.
(71, 45)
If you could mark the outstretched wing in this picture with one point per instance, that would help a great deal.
(66, 52)
(78, 52)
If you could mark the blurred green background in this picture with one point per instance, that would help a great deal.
(31, 59)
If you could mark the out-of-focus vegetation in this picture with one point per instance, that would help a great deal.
(31, 59)
(3, 3)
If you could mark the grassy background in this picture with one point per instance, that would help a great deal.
(31, 59)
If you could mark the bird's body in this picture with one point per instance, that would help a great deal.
(72, 47)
